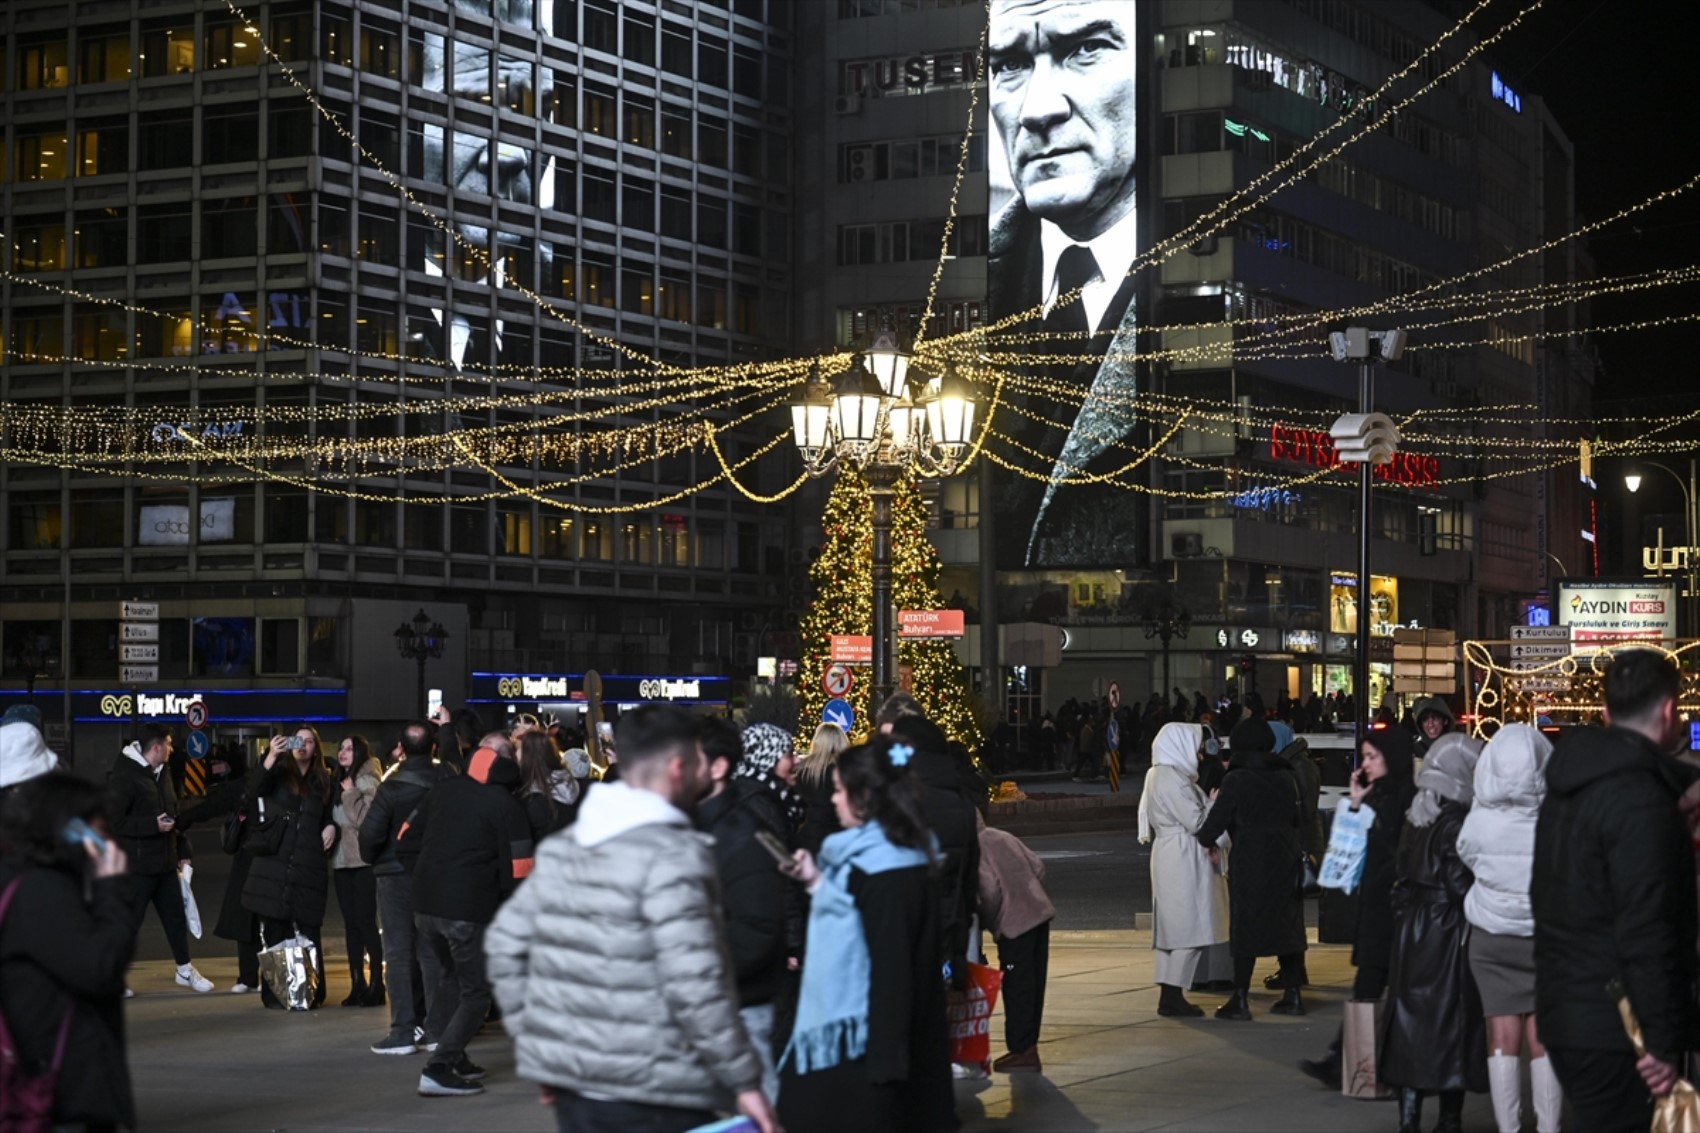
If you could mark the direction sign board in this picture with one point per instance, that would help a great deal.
(138, 631)
(1551, 650)
(852, 649)
(1540, 633)
(837, 681)
(196, 714)
(1533, 664)
(138, 611)
(138, 653)
(929, 623)
(838, 712)
(1544, 684)
(199, 745)
(138, 674)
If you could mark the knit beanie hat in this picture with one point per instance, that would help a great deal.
(1251, 734)
(577, 762)
(764, 746)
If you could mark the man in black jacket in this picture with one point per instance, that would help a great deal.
(752, 890)
(950, 812)
(412, 970)
(477, 849)
(143, 809)
(1614, 899)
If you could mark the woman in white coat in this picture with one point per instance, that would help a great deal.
(1189, 897)
(1497, 842)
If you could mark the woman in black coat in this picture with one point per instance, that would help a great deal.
(288, 884)
(1258, 807)
(1432, 1037)
(235, 923)
(65, 940)
(1382, 783)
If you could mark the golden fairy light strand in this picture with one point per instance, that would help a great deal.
(955, 187)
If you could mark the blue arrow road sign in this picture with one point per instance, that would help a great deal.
(838, 712)
(199, 745)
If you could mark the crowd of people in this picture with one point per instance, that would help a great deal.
(712, 922)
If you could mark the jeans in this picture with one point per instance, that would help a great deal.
(459, 949)
(403, 955)
(575, 1114)
(758, 1024)
(357, 897)
(1025, 960)
(1604, 1089)
(165, 893)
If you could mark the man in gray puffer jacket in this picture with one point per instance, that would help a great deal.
(611, 965)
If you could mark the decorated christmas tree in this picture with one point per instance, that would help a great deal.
(842, 579)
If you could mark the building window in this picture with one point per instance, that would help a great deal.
(711, 62)
(103, 58)
(103, 147)
(292, 35)
(598, 275)
(558, 539)
(637, 292)
(43, 65)
(676, 136)
(38, 334)
(676, 56)
(602, 26)
(98, 334)
(380, 50)
(640, 122)
(39, 157)
(165, 140)
(640, 40)
(676, 213)
(103, 238)
(514, 89)
(514, 525)
(229, 229)
(168, 333)
(286, 514)
(39, 247)
(637, 202)
(337, 42)
(230, 44)
(637, 541)
(746, 309)
(711, 143)
(675, 541)
(97, 517)
(280, 646)
(230, 134)
(598, 540)
(167, 51)
(599, 196)
(675, 297)
(711, 221)
(599, 112)
(711, 303)
(34, 521)
(374, 523)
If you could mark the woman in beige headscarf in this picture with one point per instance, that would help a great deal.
(1189, 897)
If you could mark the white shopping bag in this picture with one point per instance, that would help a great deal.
(190, 910)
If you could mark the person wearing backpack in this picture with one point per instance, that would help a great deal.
(65, 940)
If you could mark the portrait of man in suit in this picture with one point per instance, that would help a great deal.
(1063, 80)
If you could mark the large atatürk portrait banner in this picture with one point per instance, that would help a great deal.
(1063, 81)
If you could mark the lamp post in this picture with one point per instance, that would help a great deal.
(1361, 345)
(1167, 621)
(885, 421)
(418, 641)
(1690, 522)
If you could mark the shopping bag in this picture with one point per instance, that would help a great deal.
(730, 1125)
(1348, 841)
(1358, 1077)
(290, 970)
(191, 910)
(1679, 1110)
(971, 1015)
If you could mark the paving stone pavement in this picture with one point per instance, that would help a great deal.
(219, 1063)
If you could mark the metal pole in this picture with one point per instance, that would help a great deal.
(419, 691)
(881, 478)
(991, 670)
(1693, 518)
(65, 644)
(1360, 669)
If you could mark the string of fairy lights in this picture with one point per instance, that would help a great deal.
(594, 418)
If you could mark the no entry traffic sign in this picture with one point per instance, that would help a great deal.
(837, 680)
(196, 714)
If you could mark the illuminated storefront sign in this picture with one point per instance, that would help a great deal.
(1343, 604)
(912, 73)
(1263, 499)
(1601, 612)
(1301, 641)
(1316, 449)
(488, 688)
(168, 524)
(1503, 93)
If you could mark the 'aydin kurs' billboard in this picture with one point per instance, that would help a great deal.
(1605, 612)
(1065, 166)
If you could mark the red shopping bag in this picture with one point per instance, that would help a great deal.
(971, 1015)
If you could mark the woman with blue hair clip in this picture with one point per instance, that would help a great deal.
(870, 1048)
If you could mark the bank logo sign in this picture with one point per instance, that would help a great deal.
(1604, 612)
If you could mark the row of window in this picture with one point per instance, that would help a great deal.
(909, 158)
(1210, 131)
(36, 521)
(864, 9)
(187, 647)
(900, 241)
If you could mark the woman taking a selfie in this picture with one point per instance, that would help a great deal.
(65, 940)
(287, 884)
(871, 1053)
(358, 774)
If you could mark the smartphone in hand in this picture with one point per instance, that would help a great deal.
(77, 832)
(774, 846)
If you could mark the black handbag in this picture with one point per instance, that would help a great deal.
(235, 826)
(266, 832)
(1304, 877)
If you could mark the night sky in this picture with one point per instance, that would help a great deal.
(1614, 76)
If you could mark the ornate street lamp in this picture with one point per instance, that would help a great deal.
(885, 421)
(417, 641)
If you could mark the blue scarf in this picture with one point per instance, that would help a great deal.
(832, 1011)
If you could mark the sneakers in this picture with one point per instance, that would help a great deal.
(188, 977)
(971, 1071)
(1018, 1062)
(395, 1044)
(241, 989)
(469, 1069)
(441, 1082)
(129, 993)
(423, 1043)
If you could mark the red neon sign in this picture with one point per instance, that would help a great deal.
(1308, 446)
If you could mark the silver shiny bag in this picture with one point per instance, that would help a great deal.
(290, 970)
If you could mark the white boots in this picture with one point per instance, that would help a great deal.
(1549, 1096)
(1506, 1087)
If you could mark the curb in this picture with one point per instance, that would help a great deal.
(1060, 816)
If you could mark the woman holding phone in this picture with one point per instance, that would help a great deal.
(289, 882)
(358, 774)
(65, 940)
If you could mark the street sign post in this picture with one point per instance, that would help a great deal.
(838, 712)
(852, 649)
(138, 674)
(138, 654)
(1547, 650)
(929, 623)
(196, 714)
(199, 745)
(837, 681)
(138, 611)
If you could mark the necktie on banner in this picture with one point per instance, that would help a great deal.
(1076, 267)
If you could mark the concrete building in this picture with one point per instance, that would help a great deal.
(189, 239)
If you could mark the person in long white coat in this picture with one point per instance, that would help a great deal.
(1189, 895)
